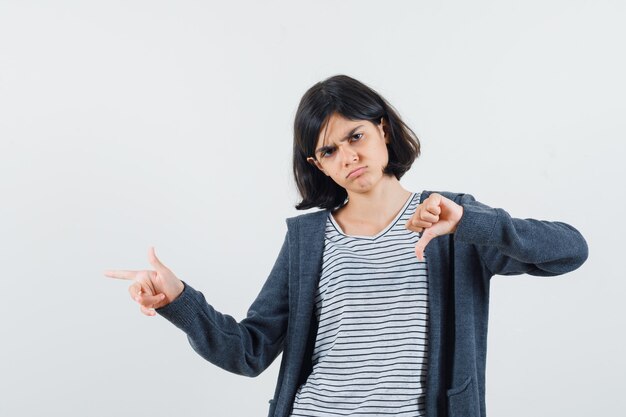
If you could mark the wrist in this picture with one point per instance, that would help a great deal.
(458, 218)
(180, 287)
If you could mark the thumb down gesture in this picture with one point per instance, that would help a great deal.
(435, 216)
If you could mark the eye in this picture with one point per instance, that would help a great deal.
(327, 153)
(356, 137)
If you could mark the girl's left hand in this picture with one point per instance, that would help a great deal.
(435, 216)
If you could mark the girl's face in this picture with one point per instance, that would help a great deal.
(352, 152)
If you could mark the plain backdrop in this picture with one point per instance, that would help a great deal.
(126, 124)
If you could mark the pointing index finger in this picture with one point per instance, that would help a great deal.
(120, 274)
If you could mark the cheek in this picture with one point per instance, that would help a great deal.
(336, 177)
(384, 154)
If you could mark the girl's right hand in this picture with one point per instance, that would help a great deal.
(151, 289)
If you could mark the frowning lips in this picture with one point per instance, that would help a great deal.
(356, 171)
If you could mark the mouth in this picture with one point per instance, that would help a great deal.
(356, 172)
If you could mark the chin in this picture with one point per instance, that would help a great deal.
(361, 188)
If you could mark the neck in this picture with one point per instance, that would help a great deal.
(377, 203)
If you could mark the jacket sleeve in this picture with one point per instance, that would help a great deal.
(511, 246)
(247, 347)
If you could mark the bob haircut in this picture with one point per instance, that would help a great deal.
(353, 100)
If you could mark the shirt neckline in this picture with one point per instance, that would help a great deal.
(382, 232)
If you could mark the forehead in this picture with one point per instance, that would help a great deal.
(336, 128)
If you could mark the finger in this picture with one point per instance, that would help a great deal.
(420, 246)
(415, 224)
(154, 261)
(415, 229)
(147, 311)
(423, 223)
(427, 216)
(434, 203)
(416, 218)
(435, 210)
(420, 223)
(149, 300)
(145, 276)
(419, 252)
(134, 290)
(120, 274)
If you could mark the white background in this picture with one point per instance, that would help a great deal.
(125, 124)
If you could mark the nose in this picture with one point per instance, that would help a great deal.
(348, 155)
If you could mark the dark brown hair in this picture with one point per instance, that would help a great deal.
(353, 100)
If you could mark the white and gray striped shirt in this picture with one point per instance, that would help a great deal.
(370, 352)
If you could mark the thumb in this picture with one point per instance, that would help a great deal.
(420, 246)
(154, 261)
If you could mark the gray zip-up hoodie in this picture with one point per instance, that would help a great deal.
(487, 242)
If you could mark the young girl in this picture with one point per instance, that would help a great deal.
(373, 315)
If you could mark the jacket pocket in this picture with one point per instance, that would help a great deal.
(463, 400)
(272, 408)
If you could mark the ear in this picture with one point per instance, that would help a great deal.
(315, 163)
(384, 129)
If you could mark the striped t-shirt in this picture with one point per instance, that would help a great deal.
(370, 352)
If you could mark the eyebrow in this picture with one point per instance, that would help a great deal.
(346, 137)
